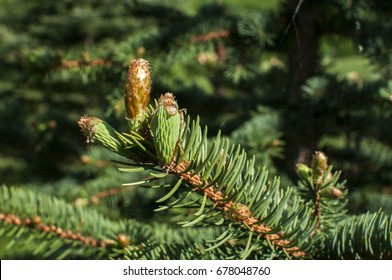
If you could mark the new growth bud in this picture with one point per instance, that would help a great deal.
(303, 171)
(99, 131)
(335, 192)
(319, 166)
(238, 212)
(137, 93)
(166, 127)
(122, 240)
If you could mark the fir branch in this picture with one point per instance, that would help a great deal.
(366, 236)
(62, 229)
(222, 204)
(36, 224)
(322, 191)
(319, 168)
(255, 211)
(221, 174)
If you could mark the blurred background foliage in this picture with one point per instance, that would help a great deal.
(281, 77)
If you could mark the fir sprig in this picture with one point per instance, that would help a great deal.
(236, 190)
(232, 191)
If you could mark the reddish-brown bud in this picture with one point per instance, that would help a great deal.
(238, 212)
(36, 220)
(137, 93)
(335, 192)
(17, 221)
(122, 240)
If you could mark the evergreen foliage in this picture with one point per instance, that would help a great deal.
(241, 180)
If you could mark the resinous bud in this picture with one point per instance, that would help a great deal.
(137, 93)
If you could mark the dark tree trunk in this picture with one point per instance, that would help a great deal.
(303, 62)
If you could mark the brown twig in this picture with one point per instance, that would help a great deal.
(317, 210)
(67, 64)
(113, 191)
(210, 36)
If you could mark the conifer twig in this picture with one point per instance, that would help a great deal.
(36, 223)
(67, 64)
(210, 36)
(109, 192)
(246, 218)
